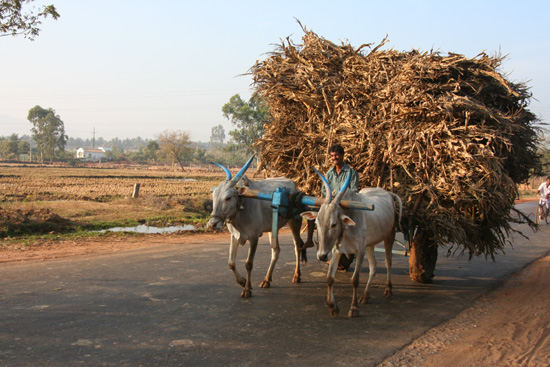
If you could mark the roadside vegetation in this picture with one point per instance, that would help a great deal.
(56, 201)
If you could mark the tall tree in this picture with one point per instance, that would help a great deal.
(217, 136)
(48, 131)
(14, 21)
(175, 145)
(249, 118)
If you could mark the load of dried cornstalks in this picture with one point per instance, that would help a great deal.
(449, 134)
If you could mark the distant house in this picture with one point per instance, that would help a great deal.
(93, 155)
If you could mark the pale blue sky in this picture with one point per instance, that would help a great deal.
(137, 68)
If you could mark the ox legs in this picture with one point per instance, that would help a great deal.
(249, 264)
(295, 225)
(244, 282)
(275, 251)
(333, 266)
(372, 272)
(354, 310)
(233, 247)
(388, 247)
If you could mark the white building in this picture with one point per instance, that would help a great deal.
(93, 155)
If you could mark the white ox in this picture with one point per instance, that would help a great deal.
(247, 219)
(346, 232)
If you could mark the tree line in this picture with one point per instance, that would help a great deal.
(48, 141)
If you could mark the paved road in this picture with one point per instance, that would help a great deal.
(180, 306)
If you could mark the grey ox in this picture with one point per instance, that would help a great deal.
(346, 232)
(248, 218)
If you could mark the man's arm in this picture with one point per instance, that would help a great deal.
(354, 183)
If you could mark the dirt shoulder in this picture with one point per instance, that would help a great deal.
(88, 246)
(508, 327)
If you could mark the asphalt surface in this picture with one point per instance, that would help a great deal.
(180, 306)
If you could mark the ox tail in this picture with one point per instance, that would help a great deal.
(399, 203)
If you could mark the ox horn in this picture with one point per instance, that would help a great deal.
(243, 170)
(342, 190)
(328, 198)
(227, 173)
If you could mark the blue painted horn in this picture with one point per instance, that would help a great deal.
(243, 170)
(227, 173)
(328, 198)
(239, 174)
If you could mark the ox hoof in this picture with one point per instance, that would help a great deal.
(353, 313)
(242, 282)
(388, 293)
(247, 293)
(334, 311)
(265, 284)
(296, 279)
(364, 299)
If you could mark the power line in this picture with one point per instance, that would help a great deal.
(184, 93)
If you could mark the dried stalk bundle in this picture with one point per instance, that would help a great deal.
(450, 135)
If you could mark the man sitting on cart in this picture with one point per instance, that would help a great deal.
(336, 178)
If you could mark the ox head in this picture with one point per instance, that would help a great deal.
(331, 220)
(225, 203)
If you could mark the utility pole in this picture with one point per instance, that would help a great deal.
(93, 139)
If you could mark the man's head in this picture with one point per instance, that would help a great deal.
(548, 180)
(336, 152)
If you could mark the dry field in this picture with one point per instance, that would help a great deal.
(51, 183)
(101, 196)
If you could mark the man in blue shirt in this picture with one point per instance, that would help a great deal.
(336, 176)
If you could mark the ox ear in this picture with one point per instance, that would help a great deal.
(347, 220)
(309, 215)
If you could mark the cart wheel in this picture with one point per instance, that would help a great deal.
(546, 216)
(345, 262)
